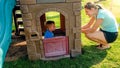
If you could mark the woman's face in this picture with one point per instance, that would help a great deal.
(90, 12)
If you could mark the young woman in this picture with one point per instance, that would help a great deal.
(102, 27)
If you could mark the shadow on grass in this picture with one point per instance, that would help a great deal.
(91, 56)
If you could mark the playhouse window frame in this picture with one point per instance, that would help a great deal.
(61, 29)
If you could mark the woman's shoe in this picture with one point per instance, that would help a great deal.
(100, 45)
(103, 47)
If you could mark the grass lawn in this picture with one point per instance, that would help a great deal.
(91, 57)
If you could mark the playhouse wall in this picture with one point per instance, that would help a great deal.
(47, 1)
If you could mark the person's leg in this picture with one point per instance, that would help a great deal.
(98, 37)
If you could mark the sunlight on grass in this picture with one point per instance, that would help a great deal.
(54, 16)
(13, 26)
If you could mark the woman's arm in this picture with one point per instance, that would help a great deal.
(88, 25)
(97, 24)
(94, 27)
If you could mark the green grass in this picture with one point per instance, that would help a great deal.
(91, 57)
(13, 25)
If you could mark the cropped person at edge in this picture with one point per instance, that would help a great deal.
(102, 27)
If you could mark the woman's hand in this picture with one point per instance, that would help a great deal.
(93, 28)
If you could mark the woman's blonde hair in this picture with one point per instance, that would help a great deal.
(90, 5)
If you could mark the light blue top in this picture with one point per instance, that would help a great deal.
(48, 34)
(109, 22)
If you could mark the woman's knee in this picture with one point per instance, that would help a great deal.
(90, 36)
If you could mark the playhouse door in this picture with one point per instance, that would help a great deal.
(56, 46)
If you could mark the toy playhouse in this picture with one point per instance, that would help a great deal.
(67, 43)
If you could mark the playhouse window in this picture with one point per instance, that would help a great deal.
(54, 16)
(59, 20)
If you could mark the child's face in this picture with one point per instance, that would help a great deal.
(52, 27)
